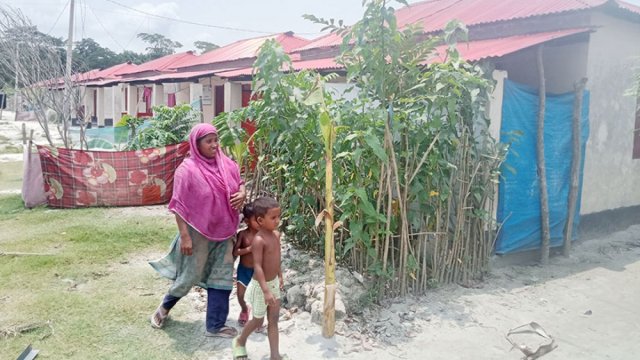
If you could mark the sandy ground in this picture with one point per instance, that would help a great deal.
(587, 302)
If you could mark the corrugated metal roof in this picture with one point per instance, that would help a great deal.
(110, 72)
(435, 14)
(493, 48)
(160, 64)
(244, 49)
(317, 64)
(470, 51)
(328, 40)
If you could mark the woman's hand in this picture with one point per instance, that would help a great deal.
(186, 245)
(237, 199)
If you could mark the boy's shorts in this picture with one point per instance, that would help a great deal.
(244, 275)
(255, 296)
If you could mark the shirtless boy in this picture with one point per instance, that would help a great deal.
(263, 292)
(242, 248)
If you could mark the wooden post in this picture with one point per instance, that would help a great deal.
(24, 134)
(576, 159)
(542, 171)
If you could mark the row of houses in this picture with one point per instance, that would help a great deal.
(209, 79)
(594, 39)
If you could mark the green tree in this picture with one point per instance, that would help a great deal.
(159, 45)
(205, 46)
(131, 56)
(88, 55)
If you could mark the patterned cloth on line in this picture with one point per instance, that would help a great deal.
(210, 266)
(76, 178)
(255, 296)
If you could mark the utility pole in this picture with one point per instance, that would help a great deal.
(67, 79)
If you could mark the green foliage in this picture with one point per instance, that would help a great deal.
(413, 161)
(168, 126)
(159, 45)
(204, 46)
(88, 54)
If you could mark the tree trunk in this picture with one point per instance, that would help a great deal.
(575, 165)
(542, 171)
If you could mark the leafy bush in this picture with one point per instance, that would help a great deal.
(414, 170)
(168, 126)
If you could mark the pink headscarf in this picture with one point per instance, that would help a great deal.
(202, 189)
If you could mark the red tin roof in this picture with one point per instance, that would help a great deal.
(498, 47)
(244, 49)
(161, 64)
(111, 72)
(435, 14)
(317, 64)
(470, 51)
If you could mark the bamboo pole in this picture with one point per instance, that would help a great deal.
(542, 170)
(576, 159)
(329, 318)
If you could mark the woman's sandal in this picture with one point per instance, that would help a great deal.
(239, 352)
(157, 319)
(224, 332)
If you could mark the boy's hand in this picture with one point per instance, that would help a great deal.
(186, 245)
(269, 299)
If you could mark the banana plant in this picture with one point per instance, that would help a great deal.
(327, 131)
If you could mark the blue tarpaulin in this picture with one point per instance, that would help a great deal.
(519, 190)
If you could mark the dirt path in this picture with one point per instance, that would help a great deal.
(587, 302)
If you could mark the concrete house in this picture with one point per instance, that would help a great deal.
(183, 78)
(594, 39)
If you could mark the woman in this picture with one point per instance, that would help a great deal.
(207, 195)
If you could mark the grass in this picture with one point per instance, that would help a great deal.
(10, 175)
(90, 281)
(11, 149)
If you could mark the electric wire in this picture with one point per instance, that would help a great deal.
(58, 18)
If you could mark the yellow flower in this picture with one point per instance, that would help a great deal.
(433, 193)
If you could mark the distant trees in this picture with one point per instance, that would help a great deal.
(159, 45)
(18, 36)
(204, 46)
(88, 55)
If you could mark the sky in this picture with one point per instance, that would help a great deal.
(115, 26)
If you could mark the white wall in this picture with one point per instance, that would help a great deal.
(157, 95)
(611, 176)
(108, 103)
(100, 108)
(209, 98)
(195, 92)
(563, 65)
(232, 96)
(118, 105)
(88, 104)
(182, 93)
(495, 104)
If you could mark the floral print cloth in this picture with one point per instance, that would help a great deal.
(76, 178)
